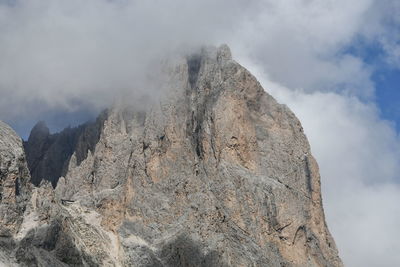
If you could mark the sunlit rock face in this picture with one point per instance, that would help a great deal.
(216, 174)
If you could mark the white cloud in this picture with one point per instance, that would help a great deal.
(68, 54)
(299, 44)
(65, 54)
(382, 27)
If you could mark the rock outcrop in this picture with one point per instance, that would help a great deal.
(48, 154)
(216, 174)
(14, 190)
(14, 181)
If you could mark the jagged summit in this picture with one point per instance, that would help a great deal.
(48, 154)
(216, 174)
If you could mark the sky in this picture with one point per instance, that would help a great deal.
(335, 63)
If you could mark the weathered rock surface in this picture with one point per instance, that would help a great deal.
(14, 190)
(217, 174)
(14, 181)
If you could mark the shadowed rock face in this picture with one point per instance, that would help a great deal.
(48, 154)
(217, 174)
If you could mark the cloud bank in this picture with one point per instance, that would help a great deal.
(69, 56)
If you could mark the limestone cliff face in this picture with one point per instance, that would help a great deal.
(217, 174)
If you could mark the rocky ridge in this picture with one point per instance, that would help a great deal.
(48, 154)
(217, 174)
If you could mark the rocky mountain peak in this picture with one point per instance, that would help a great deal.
(216, 174)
